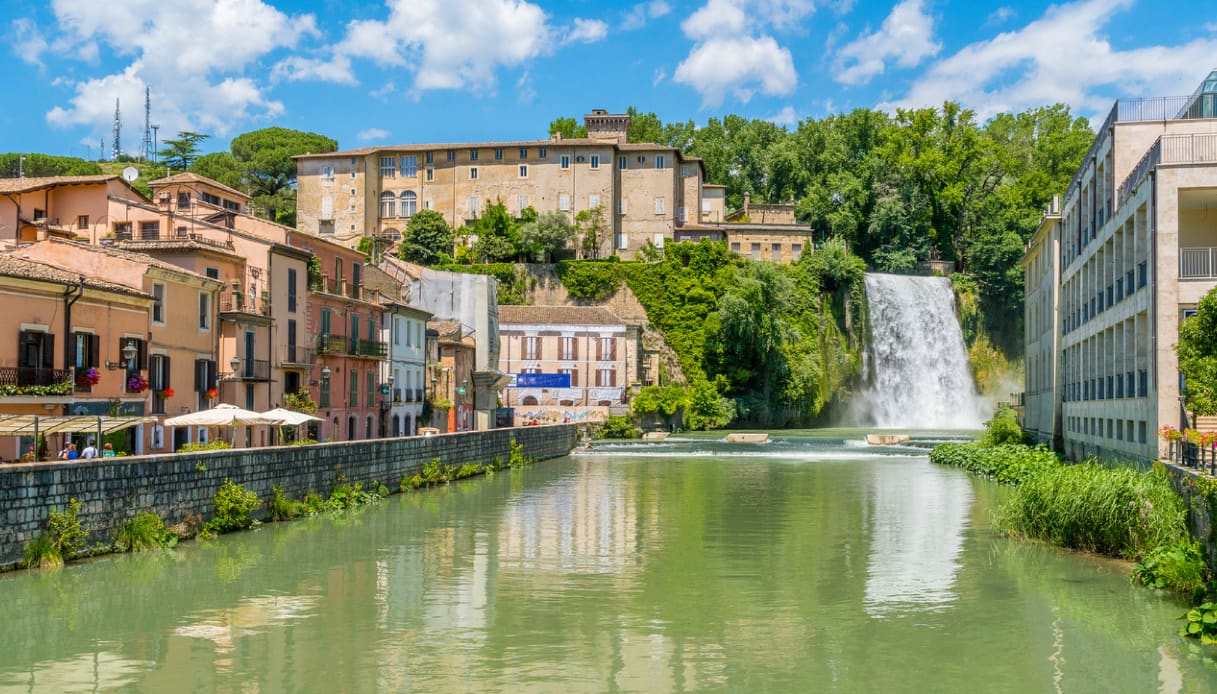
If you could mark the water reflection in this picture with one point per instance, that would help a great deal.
(102, 670)
(917, 517)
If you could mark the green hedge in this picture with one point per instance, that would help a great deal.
(1008, 463)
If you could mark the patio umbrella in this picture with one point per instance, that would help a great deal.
(290, 418)
(223, 415)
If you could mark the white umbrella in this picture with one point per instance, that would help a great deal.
(290, 418)
(223, 415)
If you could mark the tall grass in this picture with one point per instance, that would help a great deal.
(1119, 512)
(144, 531)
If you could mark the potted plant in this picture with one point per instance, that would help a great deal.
(88, 377)
(136, 383)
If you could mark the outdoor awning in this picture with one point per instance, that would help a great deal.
(27, 424)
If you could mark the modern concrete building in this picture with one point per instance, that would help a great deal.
(1040, 400)
(1137, 239)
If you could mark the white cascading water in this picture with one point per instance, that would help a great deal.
(920, 377)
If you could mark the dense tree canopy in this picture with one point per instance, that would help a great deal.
(1197, 350)
(549, 233)
(45, 165)
(428, 239)
(180, 152)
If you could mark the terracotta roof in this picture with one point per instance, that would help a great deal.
(177, 245)
(187, 177)
(26, 185)
(444, 327)
(130, 256)
(557, 315)
(24, 268)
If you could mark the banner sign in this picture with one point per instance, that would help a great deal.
(542, 381)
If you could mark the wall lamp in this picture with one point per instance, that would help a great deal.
(129, 351)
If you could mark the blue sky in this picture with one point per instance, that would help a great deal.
(404, 71)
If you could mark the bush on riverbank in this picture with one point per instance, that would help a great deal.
(1007, 463)
(1119, 512)
(144, 531)
(64, 538)
(1178, 568)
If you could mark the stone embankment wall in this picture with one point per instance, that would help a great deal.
(1201, 514)
(178, 485)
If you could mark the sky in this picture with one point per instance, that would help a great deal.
(414, 71)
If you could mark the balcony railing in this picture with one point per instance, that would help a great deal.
(368, 348)
(297, 356)
(329, 343)
(253, 370)
(240, 305)
(1198, 262)
(32, 380)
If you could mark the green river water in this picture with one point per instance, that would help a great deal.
(812, 563)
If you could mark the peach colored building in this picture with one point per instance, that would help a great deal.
(67, 207)
(452, 371)
(65, 325)
(182, 331)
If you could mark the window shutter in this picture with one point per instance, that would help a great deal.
(94, 351)
(574, 350)
(165, 374)
(48, 351)
(212, 375)
(73, 338)
(612, 378)
(574, 378)
(612, 349)
(200, 375)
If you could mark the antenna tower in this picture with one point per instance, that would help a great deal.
(147, 124)
(118, 131)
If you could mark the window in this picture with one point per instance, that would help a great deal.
(430, 174)
(82, 222)
(388, 167)
(658, 205)
(606, 377)
(682, 214)
(158, 303)
(564, 161)
(158, 380)
(623, 206)
(595, 161)
(204, 311)
(796, 251)
(291, 342)
(427, 205)
(686, 170)
(623, 162)
(430, 156)
(522, 202)
(86, 350)
(39, 214)
(451, 155)
(324, 396)
(523, 171)
(593, 201)
(149, 231)
(735, 246)
(498, 155)
(473, 155)
(291, 290)
(388, 204)
(777, 251)
(409, 203)
(354, 383)
(326, 318)
(473, 173)
(409, 166)
(327, 207)
(607, 349)
(530, 347)
(371, 389)
(659, 161)
(569, 350)
(541, 152)
(473, 208)
(523, 152)
(327, 173)
(564, 202)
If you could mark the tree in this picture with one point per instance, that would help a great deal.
(428, 239)
(593, 229)
(180, 153)
(37, 165)
(221, 167)
(568, 128)
(550, 233)
(270, 171)
(1197, 350)
(498, 234)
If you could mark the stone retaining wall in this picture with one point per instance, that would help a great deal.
(177, 485)
(1200, 510)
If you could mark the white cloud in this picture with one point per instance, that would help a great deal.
(1000, 16)
(907, 35)
(372, 134)
(192, 54)
(658, 77)
(451, 44)
(739, 67)
(734, 53)
(643, 12)
(294, 68)
(28, 42)
(586, 31)
(784, 117)
(1063, 57)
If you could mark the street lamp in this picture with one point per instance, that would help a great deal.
(325, 373)
(129, 352)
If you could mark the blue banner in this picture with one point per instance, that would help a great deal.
(542, 380)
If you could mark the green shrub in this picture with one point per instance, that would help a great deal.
(1201, 623)
(143, 532)
(213, 445)
(1177, 568)
(283, 508)
(63, 539)
(233, 504)
(618, 428)
(1119, 512)
(518, 459)
(1003, 428)
(1007, 464)
(468, 470)
(590, 280)
(42, 553)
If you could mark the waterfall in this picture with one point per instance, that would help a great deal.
(920, 377)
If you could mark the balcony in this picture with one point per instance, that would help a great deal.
(296, 356)
(238, 304)
(35, 381)
(368, 348)
(329, 343)
(1198, 263)
(252, 370)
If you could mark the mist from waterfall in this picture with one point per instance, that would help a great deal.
(919, 375)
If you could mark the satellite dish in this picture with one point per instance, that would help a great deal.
(130, 173)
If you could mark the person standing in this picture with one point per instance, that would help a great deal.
(72, 454)
(90, 450)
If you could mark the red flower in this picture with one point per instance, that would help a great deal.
(167, 393)
(211, 393)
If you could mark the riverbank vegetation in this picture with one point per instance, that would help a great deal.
(1113, 510)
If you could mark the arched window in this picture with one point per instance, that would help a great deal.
(409, 203)
(529, 400)
(388, 205)
(351, 431)
(396, 425)
(367, 428)
(354, 278)
(567, 403)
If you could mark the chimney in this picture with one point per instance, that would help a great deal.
(747, 199)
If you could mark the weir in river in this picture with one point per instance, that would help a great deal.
(919, 376)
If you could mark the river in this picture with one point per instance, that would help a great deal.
(811, 563)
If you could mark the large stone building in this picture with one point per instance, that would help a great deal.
(1131, 251)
